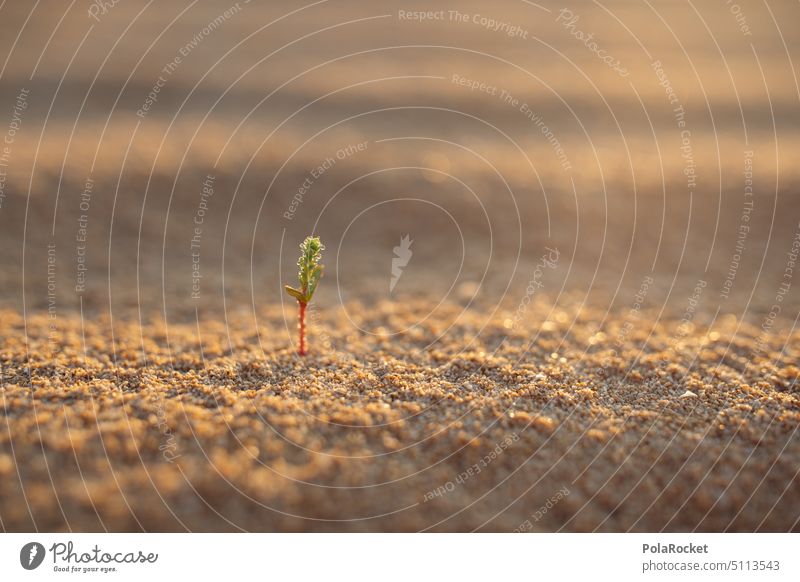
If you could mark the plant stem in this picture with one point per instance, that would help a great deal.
(302, 328)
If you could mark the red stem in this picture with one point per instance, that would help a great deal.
(302, 328)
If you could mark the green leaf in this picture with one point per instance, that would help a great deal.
(315, 276)
(296, 294)
(309, 270)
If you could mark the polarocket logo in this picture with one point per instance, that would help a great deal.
(31, 555)
(402, 254)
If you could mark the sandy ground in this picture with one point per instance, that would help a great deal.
(520, 429)
(596, 329)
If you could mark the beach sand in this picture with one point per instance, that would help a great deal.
(535, 429)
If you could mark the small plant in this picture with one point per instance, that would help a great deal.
(309, 275)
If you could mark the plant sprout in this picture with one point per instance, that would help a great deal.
(309, 274)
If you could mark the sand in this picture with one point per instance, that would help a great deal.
(530, 429)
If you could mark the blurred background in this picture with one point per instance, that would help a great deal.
(168, 158)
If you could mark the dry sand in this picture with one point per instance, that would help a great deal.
(173, 431)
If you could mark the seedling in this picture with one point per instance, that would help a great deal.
(309, 274)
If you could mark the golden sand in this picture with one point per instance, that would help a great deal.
(522, 429)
